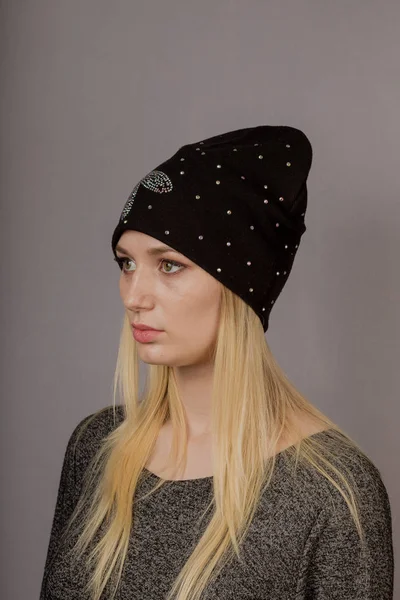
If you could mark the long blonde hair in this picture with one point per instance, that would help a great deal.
(261, 400)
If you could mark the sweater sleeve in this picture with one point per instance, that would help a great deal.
(336, 567)
(65, 502)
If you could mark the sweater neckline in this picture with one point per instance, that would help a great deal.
(200, 480)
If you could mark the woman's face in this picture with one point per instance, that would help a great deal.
(180, 299)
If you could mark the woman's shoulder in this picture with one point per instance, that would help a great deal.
(334, 558)
(87, 436)
(100, 423)
(349, 459)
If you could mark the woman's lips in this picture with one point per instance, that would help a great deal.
(142, 327)
(145, 335)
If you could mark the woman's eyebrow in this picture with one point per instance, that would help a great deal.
(151, 251)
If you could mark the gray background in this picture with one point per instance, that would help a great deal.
(94, 95)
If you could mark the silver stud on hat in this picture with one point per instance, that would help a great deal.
(288, 164)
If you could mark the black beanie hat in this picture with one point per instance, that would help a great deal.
(234, 204)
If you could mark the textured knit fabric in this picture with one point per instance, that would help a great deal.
(302, 544)
(234, 204)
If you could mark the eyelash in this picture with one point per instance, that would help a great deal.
(121, 262)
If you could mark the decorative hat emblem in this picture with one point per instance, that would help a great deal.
(156, 181)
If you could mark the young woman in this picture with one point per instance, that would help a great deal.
(220, 479)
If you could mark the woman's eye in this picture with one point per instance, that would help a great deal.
(174, 264)
(121, 262)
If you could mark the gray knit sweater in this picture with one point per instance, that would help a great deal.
(301, 545)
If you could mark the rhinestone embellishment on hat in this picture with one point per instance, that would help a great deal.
(156, 181)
